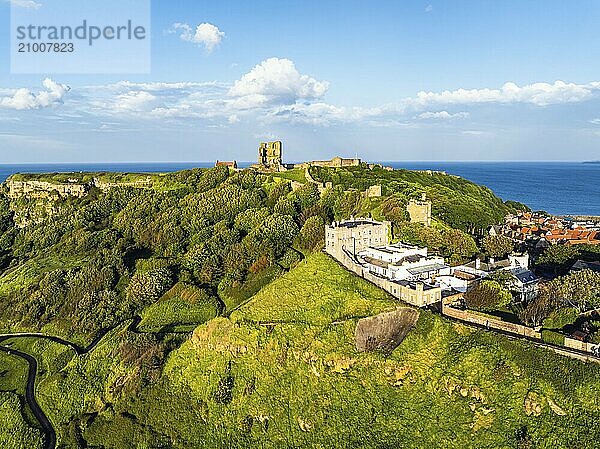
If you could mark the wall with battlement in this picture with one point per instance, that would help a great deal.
(139, 184)
(336, 162)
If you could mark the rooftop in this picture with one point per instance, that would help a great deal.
(427, 268)
(353, 223)
(523, 275)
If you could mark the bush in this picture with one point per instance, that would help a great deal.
(488, 296)
(560, 318)
(553, 337)
(149, 286)
(497, 245)
(312, 234)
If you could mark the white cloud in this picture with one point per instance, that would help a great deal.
(474, 133)
(323, 114)
(140, 101)
(205, 34)
(29, 4)
(595, 121)
(443, 115)
(22, 99)
(276, 82)
(539, 94)
(267, 135)
(275, 91)
(429, 8)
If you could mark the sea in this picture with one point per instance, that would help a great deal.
(560, 188)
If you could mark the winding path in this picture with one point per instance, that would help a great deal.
(50, 441)
(48, 429)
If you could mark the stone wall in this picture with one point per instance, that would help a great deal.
(581, 345)
(498, 324)
(419, 212)
(374, 192)
(139, 184)
(42, 189)
(418, 297)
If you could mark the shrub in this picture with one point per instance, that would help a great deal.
(149, 286)
(553, 337)
(312, 234)
(560, 318)
(487, 296)
(497, 245)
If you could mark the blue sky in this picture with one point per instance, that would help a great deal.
(387, 80)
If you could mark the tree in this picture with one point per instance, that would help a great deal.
(312, 234)
(539, 308)
(487, 296)
(497, 245)
(580, 290)
(558, 258)
(560, 318)
(146, 288)
(394, 209)
(279, 190)
(307, 195)
(458, 245)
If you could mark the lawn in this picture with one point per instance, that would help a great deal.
(236, 295)
(27, 272)
(296, 174)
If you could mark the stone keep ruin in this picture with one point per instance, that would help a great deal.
(270, 155)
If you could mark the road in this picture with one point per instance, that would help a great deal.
(50, 440)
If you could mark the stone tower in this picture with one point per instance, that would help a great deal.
(420, 211)
(270, 155)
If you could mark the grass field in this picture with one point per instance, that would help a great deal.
(317, 291)
(235, 296)
(25, 273)
(296, 174)
(283, 371)
(181, 309)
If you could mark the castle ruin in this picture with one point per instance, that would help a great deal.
(420, 211)
(270, 156)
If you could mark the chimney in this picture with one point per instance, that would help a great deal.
(478, 264)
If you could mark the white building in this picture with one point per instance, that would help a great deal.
(403, 262)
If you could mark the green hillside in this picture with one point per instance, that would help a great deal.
(241, 382)
(219, 323)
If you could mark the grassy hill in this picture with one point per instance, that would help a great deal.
(241, 382)
(241, 343)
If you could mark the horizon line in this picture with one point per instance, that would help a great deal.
(299, 162)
